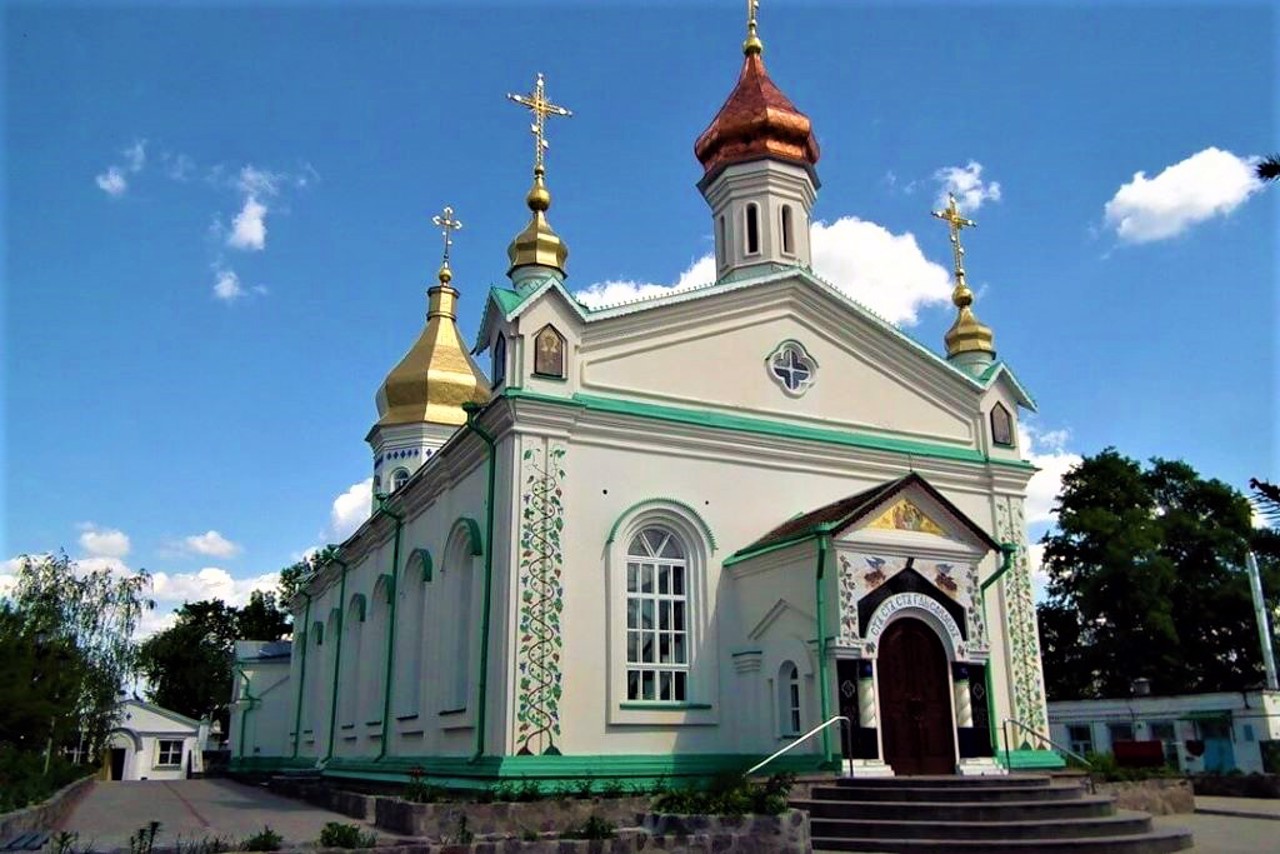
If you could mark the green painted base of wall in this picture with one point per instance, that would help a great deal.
(1027, 760)
(459, 772)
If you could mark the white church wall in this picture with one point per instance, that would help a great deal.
(713, 354)
(549, 310)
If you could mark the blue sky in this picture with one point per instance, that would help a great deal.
(218, 235)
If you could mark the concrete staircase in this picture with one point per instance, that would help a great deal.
(1018, 812)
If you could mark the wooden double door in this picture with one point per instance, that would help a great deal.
(915, 700)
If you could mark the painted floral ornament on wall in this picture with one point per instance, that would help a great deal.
(792, 368)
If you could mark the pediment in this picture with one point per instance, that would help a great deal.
(719, 352)
(783, 613)
(915, 518)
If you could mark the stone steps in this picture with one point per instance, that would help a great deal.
(1017, 812)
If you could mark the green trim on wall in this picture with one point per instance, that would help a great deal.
(388, 584)
(763, 427)
(317, 629)
(424, 556)
(302, 677)
(473, 534)
(650, 502)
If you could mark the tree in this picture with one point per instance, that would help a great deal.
(1268, 168)
(1146, 579)
(66, 649)
(189, 666)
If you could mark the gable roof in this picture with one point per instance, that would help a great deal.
(162, 712)
(842, 514)
(509, 304)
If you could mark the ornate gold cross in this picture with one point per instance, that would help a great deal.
(447, 225)
(753, 43)
(955, 222)
(536, 102)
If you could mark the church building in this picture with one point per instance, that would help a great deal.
(589, 560)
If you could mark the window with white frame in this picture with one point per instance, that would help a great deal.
(789, 698)
(658, 636)
(399, 478)
(1081, 738)
(169, 752)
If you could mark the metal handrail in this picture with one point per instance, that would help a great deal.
(1042, 737)
(819, 728)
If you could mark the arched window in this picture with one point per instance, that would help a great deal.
(1001, 426)
(377, 484)
(787, 245)
(753, 228)
(789, 698)
(720, 247)
(398, 478)
(411, 616)
(499, 370)
(657, 617)
(349, 684)
(458, 574)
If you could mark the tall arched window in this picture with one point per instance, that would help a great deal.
(657, 617)
(410, 619)
(789, 698)
(787, 242)
(753, 228)
(398, 478)
(457, 573)
(349, 684)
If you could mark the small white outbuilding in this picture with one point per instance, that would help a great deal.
(151, 743)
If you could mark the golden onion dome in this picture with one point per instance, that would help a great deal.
(756, 121)
(967, 334)
(437, 376)
(538, 243)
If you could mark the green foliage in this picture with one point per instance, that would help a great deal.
(613, 788)
(23, 781)
(207, 845)
(336, 835)
(528, 790)
(729, 794)
(144, 838)
(189, 665)
(422, 792)
(66, 647)
(264, 840)
(594, 827)
(1146, 579)
(1105, 767)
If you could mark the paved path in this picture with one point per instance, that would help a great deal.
(1220, 834)
(1242, 807)
(111, 812)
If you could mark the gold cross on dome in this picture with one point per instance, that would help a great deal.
(753, 43)
(955, 222)
(536, 102)
(447, 225)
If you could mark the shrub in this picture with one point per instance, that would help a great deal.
(594, 827)
(614, 788)
(144, 839)
(23, 781)
(208, 845)
(419, 791)
(729, 795)
(335, 835)
(528, 790)
(264, 840)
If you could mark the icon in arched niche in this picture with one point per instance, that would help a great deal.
(548, 352)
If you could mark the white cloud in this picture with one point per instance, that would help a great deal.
(136, 155)
(112, 182)
(178, 167)
(211, 582)
(350, 509)
(227, 286)
(249, 228)
(883, 271)
(1209, 183)
(1047, 451)
(103, 542)
(259, 182)
(210, 543)
(966, 184)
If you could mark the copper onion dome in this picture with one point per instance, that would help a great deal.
(756, 121)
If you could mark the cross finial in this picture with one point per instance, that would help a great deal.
(536, 102)
(447, 225)
(753, 43)
(955, 222)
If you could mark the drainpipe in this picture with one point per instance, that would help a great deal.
(398, 518)
(1009, 550)
(337, 656)
(472, 410)
(824, 543)
(302, 677)
(244, 713)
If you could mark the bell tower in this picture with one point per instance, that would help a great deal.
(758, 157)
